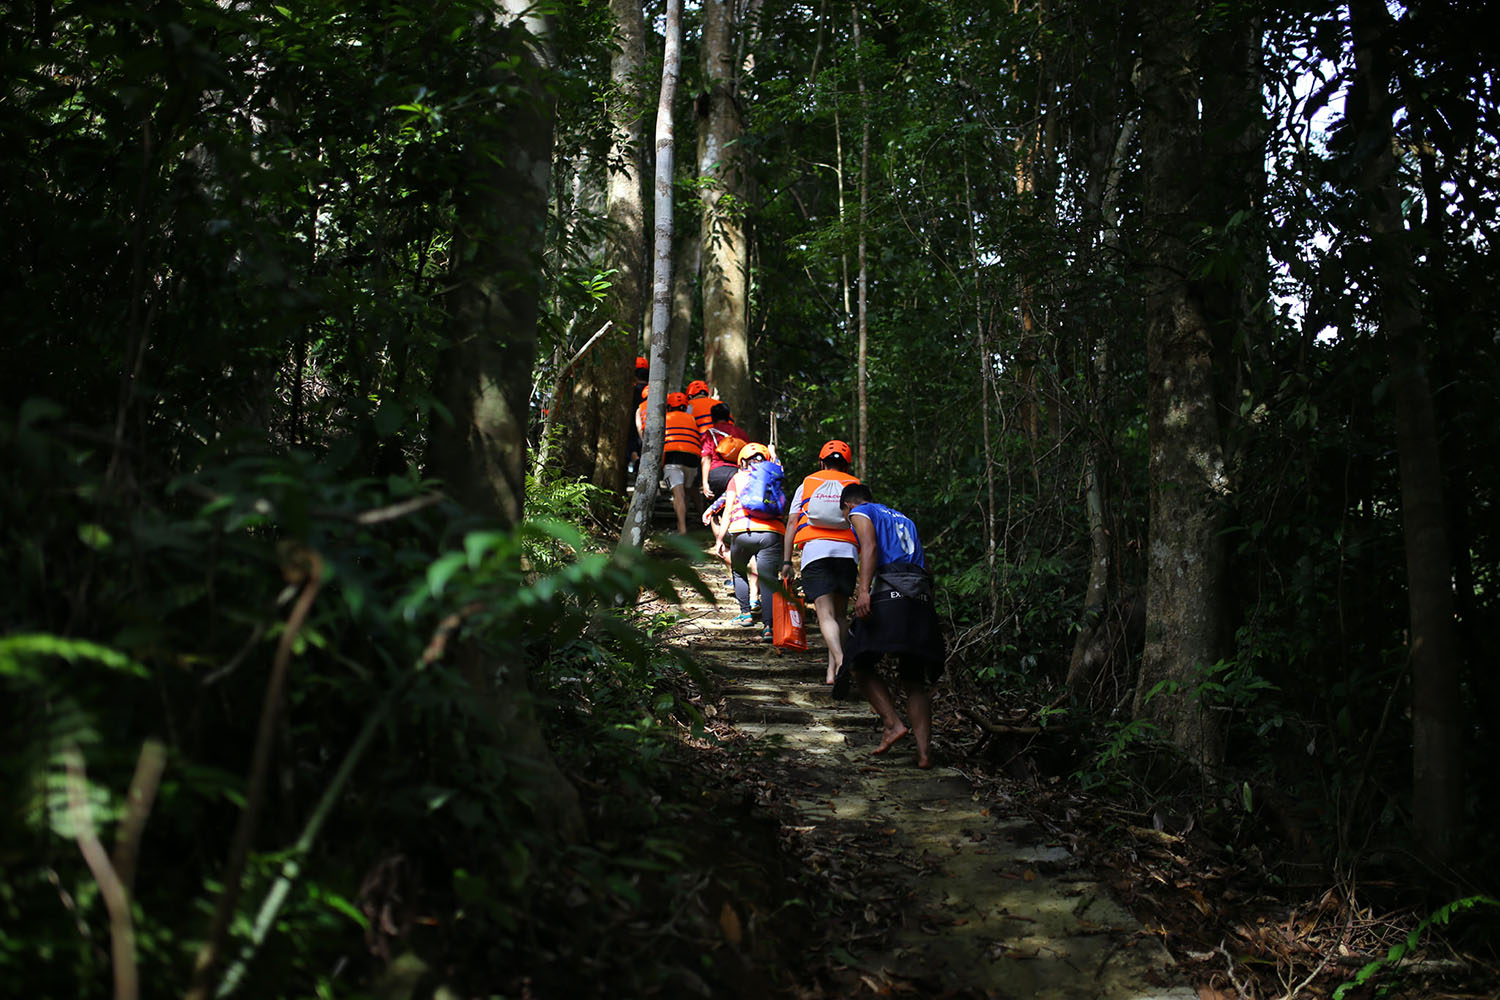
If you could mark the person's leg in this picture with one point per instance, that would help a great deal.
(831, 625)
(768, 564)
(739, 560)
(919, 711)
(874, 688)
(679, 506)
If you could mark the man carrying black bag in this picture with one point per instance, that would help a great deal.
(893, 614)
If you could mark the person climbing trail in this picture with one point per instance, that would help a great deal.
(701, 403)
(753, 532)
(638, 394)
(682, 451)
(817, 527)
(893, 615)
(722, 441)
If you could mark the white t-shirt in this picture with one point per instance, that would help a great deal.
(819, 548)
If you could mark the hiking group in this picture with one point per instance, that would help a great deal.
(855, 554)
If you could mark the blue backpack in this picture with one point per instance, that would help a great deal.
(763, 494)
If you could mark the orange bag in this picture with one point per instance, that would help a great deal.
(788, 630)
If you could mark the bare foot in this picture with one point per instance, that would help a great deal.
(891, 736)
(924, 761)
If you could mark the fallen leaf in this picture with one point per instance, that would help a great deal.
(729, 923)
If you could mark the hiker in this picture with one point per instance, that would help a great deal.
(720, 454)
(637, 436)
(682, 452)
(816, 525)
(638, 393)
(722, 441)
(755, 506)
(701, 404)
(893, 614)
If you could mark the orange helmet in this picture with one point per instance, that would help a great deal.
(754, 450)
(676, 399)
(836, 447)
(697, 387)
(641, 363)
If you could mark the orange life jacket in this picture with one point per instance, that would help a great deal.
(805, 531)
(640, 419)
(682, 433)
(700, 407)
(741, 519)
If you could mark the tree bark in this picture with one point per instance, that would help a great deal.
(598, 405)
(483, 377)
(1437, 717)
(861, 462)
(726, 265)
(1185, 559)
(1101, 552)
(642, 502)
(684, 294)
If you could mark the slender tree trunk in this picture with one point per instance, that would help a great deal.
(986, 377)
(721, 174)
(1185, 611)
(643, 501)
(862, 278)
(1437, 717)
(1101, 555)
(845, 289)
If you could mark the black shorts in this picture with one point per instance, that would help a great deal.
(718, 478)
(905, 630)
(830, 575)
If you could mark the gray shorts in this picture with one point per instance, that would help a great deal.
(828, 576)
(680, 475)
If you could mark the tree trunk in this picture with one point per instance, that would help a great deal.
(1101, 555)
(1437, 735)
(861, 280)
(684, 292)
(721, 174)
(1184, 618)
(642, 502)
(483, 377)
(597, 405)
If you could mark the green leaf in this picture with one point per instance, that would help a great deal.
(440, 572)
(16, 649)
(94, 536)
(478, 543)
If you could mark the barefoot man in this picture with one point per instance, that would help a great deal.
(892, 614)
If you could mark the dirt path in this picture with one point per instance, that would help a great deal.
(960, 896)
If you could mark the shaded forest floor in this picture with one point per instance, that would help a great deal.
(819, 871)
(766, 853)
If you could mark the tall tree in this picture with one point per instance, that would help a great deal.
(1437, 741)
(1185, 614)
(862, 279)
(642, 502)
(597, 406)
(722, 193)
(483, 377)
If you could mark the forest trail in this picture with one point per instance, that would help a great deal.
(961, 897)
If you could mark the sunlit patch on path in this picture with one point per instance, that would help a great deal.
(954, 895)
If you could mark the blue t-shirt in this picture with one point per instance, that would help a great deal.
(895, 535)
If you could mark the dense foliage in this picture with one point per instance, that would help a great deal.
(228, 234)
